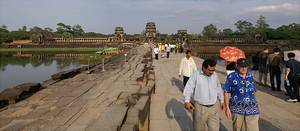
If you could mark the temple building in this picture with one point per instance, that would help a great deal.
(150, 31)
(182, 36)
(119, 36)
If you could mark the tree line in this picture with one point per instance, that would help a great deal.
(252, 32)
(37, 33)
(261, 30)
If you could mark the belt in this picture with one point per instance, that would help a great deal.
(207, 105)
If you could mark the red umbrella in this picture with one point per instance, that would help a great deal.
(231, 54)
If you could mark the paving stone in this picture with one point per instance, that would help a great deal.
(16, 125)
(110, 120)
(129, 127)
(64, 116)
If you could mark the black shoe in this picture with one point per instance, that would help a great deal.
(273, 89)
(278, 89)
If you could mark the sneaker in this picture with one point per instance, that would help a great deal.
(292, 100)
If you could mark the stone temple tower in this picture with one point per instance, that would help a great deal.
(150, 31)
(119, 34)
(182, 35)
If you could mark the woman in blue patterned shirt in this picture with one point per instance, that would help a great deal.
(240, 101)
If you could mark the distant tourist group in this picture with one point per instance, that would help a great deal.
(163, 50)
(202, 89)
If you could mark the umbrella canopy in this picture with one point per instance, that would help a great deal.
(231, 54)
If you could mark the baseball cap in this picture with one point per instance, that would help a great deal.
(242, 62)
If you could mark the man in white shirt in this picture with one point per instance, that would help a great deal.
(168, 50)
(187, 67)
(156, 52)
(204, 89)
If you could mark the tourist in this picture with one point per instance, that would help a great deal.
(168, 50)
(274, 61)
(240, 102)
(292, 76)
(176, 48)
(262, 66)
(187, 67)
(204, 88)
(156, 51)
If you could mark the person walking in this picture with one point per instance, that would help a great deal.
(274, 61)
(292, 76)
(168, 50)
(205, 89)
(240, 101)
(187, 67)
(262, 66)
(156, 51)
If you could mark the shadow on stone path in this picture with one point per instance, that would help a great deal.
(175, 107)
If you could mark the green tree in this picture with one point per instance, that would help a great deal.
(39, 35)
(63, 28)
(77, 30)
(243, 26)
(227, 32)
(3, 28)
(261, 23)
(261, 28)
(209, 30)
(24, 28)
(67, 35)
(48, 29)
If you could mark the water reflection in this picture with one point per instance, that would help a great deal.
(18, 67)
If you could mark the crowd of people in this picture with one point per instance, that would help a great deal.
(274, 64)
(202, 88)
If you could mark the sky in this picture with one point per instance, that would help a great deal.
(103, 16)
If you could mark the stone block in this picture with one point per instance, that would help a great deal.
(129, 127)
(151, 86)
(143, 105)
(65, 74)
(110, 120)
(132, 117)
(151, 77)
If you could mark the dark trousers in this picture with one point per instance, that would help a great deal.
(156, 56)
(168, 54)
(275, 72)
(185, 80)
(294, 92)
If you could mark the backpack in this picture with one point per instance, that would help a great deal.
(276, 60)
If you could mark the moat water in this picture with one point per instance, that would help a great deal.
(18, 67)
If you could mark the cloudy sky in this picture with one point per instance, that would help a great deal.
(169, 15)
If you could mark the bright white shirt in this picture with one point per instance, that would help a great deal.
(156, 50)
(187, 67)
(168, 49)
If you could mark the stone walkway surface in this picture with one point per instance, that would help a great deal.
(119, 100)
(86, 102)
(167, 112)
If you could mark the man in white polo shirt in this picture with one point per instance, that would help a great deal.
(187, 67)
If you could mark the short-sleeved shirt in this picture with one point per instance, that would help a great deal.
(242, 99)
(294, 66)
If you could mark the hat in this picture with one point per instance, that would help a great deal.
(242, 62)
